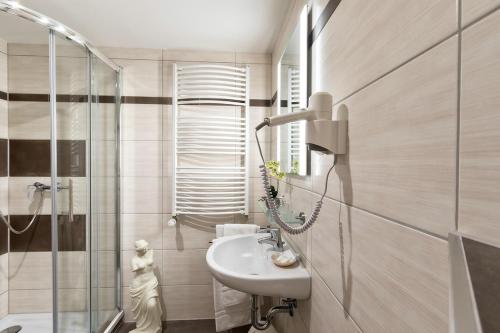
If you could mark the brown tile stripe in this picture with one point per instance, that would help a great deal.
(3, 157)
(185, 326)
(4, 238)
(31, 158)
(484, 267)
(111, 99)
(322, 21)
(3, 95)
(38, 238)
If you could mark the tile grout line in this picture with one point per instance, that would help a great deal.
(480, 17)
(458, 120)
(389, 219)
(441, 41)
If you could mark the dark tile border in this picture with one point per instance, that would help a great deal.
(4, 154)
(184, 326)
(71, 235)
(15, 97)
(4, 238)
(31, 158)
(261, 103)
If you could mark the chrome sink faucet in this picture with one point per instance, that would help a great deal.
(273, 239)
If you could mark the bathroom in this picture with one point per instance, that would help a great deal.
(279, 166)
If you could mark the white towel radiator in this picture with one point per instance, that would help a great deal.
(210, 139)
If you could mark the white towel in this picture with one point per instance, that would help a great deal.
(232, 307)
(222, 230)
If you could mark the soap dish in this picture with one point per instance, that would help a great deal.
(284, 259)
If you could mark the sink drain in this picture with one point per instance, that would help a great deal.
(12, 329)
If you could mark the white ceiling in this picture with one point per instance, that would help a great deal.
(219, 25)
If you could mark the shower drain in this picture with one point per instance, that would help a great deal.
(12, 329)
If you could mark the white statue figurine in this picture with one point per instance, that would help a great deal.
(144, 291)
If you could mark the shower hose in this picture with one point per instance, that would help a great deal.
(272, 203)
(40, 190)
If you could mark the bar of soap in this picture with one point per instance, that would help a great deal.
(284, 259)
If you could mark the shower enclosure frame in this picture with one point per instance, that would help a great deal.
(56, 28)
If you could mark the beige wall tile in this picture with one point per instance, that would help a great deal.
(260, 81)
(107, 231)
(3, 46)
(390, 278)
(167, 123)
(188, 302)
(73, 266)
(473, 9)
(198, 56)
(253, 58)
(72, 300)
(42, 50)
(4, 195)
(23, 266)
(142, 158)
(31, 120)
(142, 226)
(3, 72)
(19, 202)
(186, 235)
(72, 75)
(4, 273)
(185, 267)
(4, 120)
(167, 158)
(104, 189)
(480, 130)
(326, 313)
(167, 195)
(107, 271)
(142, 195)
(402, 144)
(28, 74)
(23, 49)
(27, 301)
(4, 304)
(141, 122)
(104, 120)
(141, 77)
(131, 53)
(358, 54)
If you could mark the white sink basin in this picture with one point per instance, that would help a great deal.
(241, 263)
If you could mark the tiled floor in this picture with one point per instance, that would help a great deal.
(186, 326)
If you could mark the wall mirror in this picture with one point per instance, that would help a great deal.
(292, 96)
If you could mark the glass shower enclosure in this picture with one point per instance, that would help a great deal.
(62, 132)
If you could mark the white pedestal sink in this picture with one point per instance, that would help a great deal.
(241, 263)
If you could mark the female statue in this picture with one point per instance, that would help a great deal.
(144, 291)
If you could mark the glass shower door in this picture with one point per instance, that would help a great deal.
(87, 111)
(104, 189)
(72, 86)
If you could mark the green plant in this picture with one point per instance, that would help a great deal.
(275, 171)
(274, 168)
(295, 168)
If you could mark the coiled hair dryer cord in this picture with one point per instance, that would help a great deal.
(272, 203)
